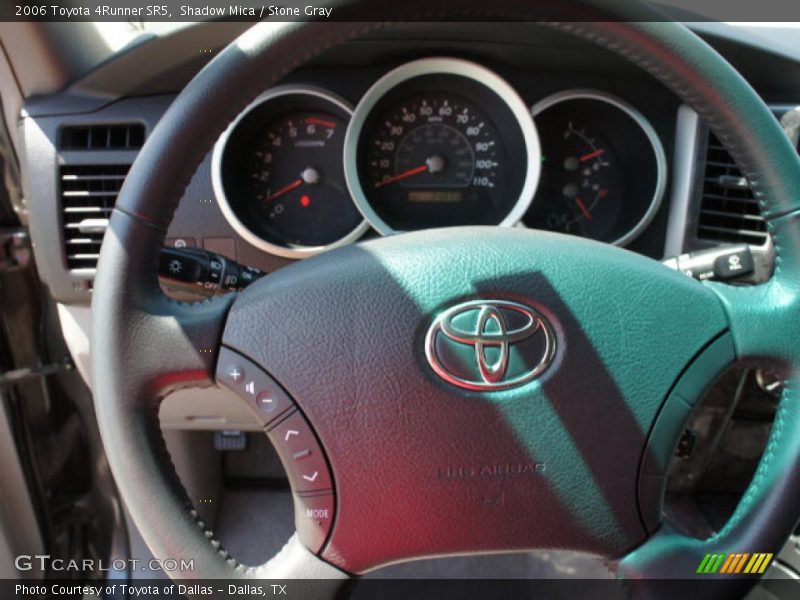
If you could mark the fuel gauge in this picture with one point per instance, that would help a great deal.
(579, 182)
(603, 168)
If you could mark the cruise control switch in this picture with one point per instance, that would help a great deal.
(720, 264)
(199, 272)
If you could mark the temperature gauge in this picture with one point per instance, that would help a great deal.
(603, 167)
(579, 184)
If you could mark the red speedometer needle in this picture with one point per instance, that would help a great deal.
(583, 208)
(296, 183)
(591, 155)
(403, 175)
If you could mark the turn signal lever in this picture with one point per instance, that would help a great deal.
(199, 272)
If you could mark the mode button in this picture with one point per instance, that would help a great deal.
(313, 517)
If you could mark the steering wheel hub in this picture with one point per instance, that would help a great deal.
(549, 461)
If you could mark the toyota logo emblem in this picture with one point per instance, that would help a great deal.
(490, 344)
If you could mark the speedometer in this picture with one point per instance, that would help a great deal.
(437, 149)
(441, 142)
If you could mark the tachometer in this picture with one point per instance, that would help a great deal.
(441, 142)
(296, 179)
(279, 176)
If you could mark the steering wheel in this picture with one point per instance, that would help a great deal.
(345, 349)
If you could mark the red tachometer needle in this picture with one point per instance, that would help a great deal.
(583, 208)
(318, 121)
(403, 175)
(296, 183)
(591, 155)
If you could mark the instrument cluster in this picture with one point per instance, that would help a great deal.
(435, 142)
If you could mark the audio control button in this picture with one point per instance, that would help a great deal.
(313, 517)
(300, 454)
(247, 380)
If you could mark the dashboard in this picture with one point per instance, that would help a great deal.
(430, 125)
(427, 126)
(435, 142)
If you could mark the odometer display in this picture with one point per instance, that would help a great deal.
(441, 142)
(431, 196)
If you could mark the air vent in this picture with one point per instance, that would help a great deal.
(728, 210)
(88, 193)
(126, 136)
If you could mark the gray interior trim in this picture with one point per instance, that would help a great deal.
(41, 161)
(687, 168)
(11, 96)
(684, 173)
(19, 528)
(198, 218)
(212, 408)
(32, 50)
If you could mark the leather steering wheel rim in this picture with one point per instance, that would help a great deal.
(145, 345)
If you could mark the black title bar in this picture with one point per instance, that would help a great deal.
(136, 11)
